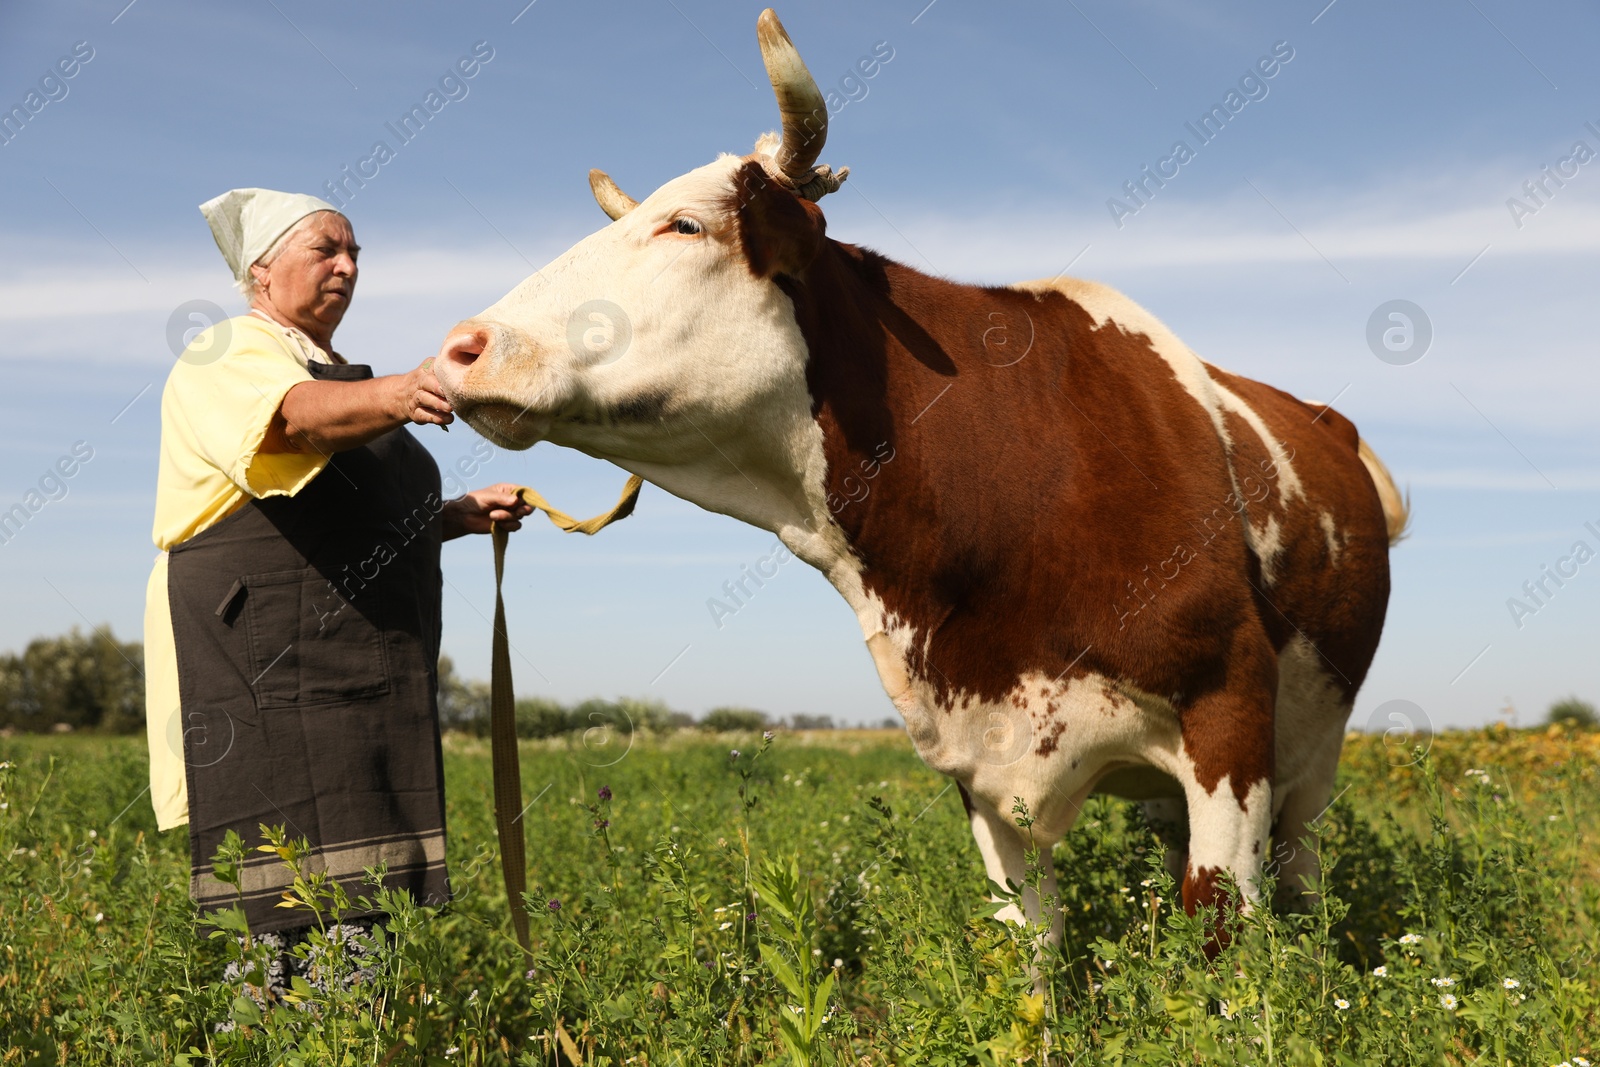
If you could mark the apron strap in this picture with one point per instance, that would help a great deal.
(502, 703)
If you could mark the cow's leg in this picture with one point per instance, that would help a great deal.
(1169, 821)
(1005, 850)
(1297, 865)
(1228, 738)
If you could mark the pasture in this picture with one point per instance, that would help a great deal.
(819, 899)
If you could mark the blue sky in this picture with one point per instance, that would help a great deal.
(1378, 165)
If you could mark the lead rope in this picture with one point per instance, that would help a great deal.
(502, 702)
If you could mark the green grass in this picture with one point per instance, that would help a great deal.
(870, 941)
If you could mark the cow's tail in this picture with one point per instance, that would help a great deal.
(1396, 507)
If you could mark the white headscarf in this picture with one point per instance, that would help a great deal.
(245, 222)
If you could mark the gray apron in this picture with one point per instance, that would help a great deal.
(307, 633)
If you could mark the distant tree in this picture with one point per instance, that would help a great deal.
(543, 717)
(733, 719)
(652, 715)
(802, 721)
(463, 705)
(83, 681)
(1579, 713)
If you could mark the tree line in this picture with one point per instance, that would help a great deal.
(94, 682)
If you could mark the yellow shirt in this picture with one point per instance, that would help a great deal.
(216, 409)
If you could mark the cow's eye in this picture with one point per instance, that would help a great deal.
(686, 226)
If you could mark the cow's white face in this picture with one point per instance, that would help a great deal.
(651, 342)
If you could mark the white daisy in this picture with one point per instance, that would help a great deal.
(1342, 1004)
(1447, 1002)
(1380, 972)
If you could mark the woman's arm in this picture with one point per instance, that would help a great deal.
(329, 416)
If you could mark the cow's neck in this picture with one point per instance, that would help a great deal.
(886, 344)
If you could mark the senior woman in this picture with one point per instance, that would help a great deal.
(292, 619)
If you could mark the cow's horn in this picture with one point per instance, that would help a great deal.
(805, 114)
(613, 201)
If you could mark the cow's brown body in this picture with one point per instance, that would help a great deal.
(1062, 506)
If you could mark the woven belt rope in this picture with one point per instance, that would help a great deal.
(502, 703)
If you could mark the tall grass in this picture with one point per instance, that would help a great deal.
(818, 900)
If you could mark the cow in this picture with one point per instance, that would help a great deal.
(1082, 558)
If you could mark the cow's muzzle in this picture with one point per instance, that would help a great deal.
(488, 372)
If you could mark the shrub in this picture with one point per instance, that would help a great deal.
(721, 720)
(1579, 713)
(543, 717)
(83, 681)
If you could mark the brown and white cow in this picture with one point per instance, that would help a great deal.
(1083, 559)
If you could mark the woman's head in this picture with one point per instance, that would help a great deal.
(308, 277)
(292, 255)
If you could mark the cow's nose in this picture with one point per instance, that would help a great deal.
(456, 356)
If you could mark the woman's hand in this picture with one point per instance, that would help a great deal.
(476, 511)
(420, 399)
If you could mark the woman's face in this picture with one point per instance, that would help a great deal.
(314, 276)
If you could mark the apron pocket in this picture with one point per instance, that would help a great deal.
(309, 645)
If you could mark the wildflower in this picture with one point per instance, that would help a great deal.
(1411, 939)
(1511, 983)
(601, 824)
(1447, 1002)
(734, 754)
(1145, 883)
(767, 735)
(750, 917)
(555, 905)
(472, 997)
(816, 952)
(1342, 1004)
(1579, 1061)
(725, 926)
(1380, 972)
(837, 963)
(94, 834)
(451, 1052)
(99, 916)
(605, 792)
(529, 975)
(1443, 983)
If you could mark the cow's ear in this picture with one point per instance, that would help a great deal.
(780, 232)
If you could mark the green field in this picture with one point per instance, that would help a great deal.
(677, 937)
